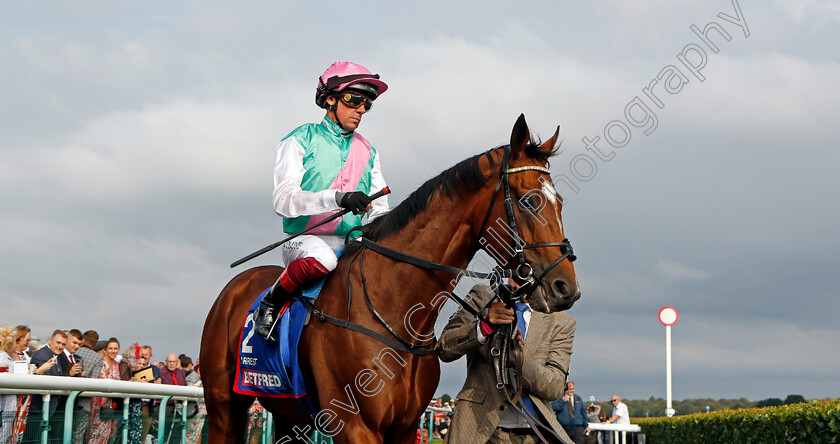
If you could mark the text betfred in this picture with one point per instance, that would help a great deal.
(259, 379)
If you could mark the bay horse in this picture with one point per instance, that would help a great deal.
(364, 390)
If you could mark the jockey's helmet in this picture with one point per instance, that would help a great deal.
(347, 75)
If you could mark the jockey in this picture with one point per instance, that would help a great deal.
(321, 168)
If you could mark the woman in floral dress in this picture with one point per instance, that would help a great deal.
(99, 430)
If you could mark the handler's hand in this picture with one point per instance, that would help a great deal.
(497, 314)
(519, 339)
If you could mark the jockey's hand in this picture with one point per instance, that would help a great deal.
(498, 314)
(356, 201)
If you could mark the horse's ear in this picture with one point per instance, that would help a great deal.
(549, 144)
(520, 136)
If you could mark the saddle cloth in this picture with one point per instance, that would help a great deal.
(272, 369)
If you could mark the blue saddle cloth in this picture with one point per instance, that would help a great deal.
(269, 369)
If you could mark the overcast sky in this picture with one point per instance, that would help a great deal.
(138, 141)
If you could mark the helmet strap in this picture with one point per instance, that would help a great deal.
(334, 109)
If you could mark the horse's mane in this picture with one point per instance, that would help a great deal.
(466, 176)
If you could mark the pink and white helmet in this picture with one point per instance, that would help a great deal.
(347, 75)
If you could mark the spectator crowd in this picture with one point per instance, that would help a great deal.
(71, 353)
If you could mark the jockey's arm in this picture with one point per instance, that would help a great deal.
(289, 199)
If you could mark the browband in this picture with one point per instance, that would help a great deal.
(526, 168)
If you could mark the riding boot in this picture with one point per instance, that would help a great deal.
(295, 277)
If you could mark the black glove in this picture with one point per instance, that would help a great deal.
(355, 201)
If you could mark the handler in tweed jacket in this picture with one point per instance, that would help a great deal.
(548, 346)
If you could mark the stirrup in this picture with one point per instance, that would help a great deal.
(271, 337)
(260, 321)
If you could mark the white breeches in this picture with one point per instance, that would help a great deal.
(321, 248)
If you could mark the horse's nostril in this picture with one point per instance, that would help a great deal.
(561, 287)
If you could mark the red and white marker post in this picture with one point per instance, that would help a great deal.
(668, 316)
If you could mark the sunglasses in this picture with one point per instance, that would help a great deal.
(354, 100)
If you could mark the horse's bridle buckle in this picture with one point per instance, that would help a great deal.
(525, 275)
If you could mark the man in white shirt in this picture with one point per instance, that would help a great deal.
(620, 413)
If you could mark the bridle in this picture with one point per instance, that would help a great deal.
(524, 270)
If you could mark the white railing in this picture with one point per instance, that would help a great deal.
(63, 385)
(73, 387)
(615, 429)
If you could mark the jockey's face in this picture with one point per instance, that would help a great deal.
(349, 117)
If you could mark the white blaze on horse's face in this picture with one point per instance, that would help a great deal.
(551, 194)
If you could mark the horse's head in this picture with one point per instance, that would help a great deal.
(525, 232)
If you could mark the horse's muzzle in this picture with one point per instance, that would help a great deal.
(563, 295)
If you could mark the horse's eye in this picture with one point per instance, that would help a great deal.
(529, 202)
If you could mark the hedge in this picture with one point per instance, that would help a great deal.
(810, 422)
